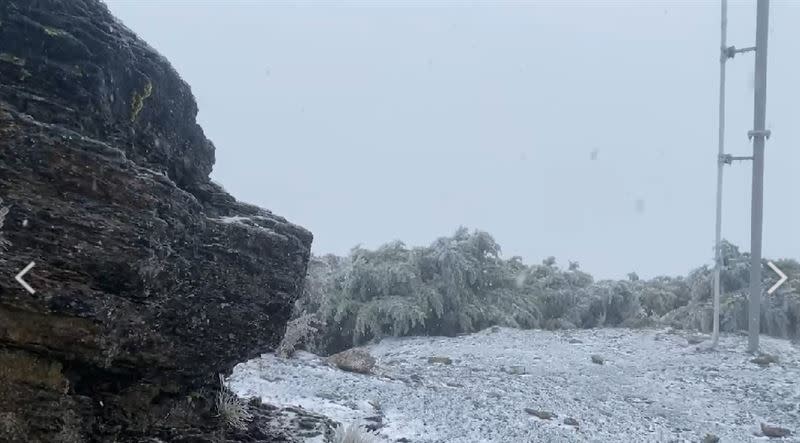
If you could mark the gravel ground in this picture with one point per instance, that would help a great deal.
(652, 386)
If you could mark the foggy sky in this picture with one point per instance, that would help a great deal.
(583, 130)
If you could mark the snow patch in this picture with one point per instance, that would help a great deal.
(257, 222)
(653, 386)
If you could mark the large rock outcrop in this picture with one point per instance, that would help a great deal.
(150, 280)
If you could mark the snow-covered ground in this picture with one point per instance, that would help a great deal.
(653, 386)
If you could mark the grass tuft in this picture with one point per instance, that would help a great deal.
(353, 434)
(232, 409)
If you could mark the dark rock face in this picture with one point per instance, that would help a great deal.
(150, 279)
(71, 63)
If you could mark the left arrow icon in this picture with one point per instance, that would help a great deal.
(19, 279)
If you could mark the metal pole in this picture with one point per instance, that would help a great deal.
(759, 135)
(723, 57)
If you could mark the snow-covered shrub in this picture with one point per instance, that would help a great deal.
(446, 288)
(622, 303)
(353, 434)
(734, 276)
(306, 327)
(589, 309)
(299, 331)
(780, 312)
(700, 284)
(606, 303)
(555, 304)
(662, 294)
(460, 284)
(578, 279)
(515, 309)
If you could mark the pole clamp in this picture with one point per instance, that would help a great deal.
(729, 159)
(731, 51)
(759, 133)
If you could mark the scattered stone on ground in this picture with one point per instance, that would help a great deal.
(571, 421)
(774, 431)
(544, 415)
(597, 359)
(655, 391)
(695, 339)
(440, 360)
(765, 360)
(373, 423)
(710, 438)
(516, 370)
(353, 360)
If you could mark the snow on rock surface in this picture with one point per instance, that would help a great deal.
(653, 386)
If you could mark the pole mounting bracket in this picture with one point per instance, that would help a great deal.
(729, 159)
(731, 51)
(759, 133)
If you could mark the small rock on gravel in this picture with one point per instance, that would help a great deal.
(353, 360)
(774, 431)
(440, 360)
(764, 360)
(544, 415)
(373, 423)
(570, 421)
(597, 359)
(516, 370)
(710, 438)
(695, 339)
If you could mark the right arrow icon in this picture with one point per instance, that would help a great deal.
(780, 274)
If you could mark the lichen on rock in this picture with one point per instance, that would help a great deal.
(138, 100)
